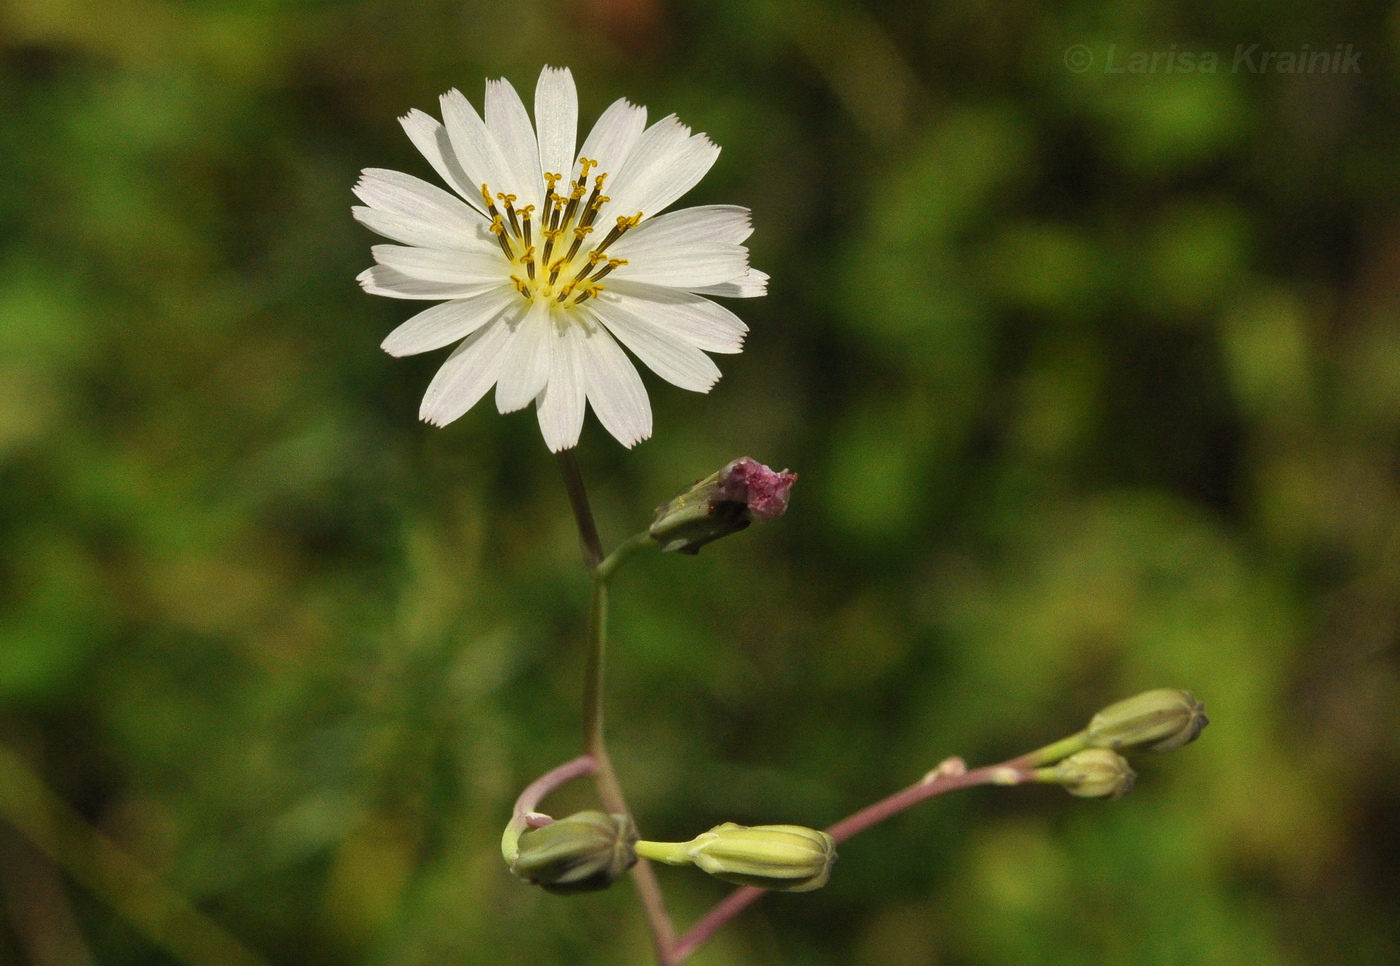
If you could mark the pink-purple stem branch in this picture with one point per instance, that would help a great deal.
(947, 777)
(526, 805)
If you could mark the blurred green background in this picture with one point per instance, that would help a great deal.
(1092, 379)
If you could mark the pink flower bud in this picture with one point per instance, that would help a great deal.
(763, 490)
(720, 504)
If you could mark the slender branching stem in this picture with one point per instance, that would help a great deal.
(670, 951)
(525, 816)
(601, 571)
(583, 513)
(938, 782)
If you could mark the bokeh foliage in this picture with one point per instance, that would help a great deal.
(1093, 381)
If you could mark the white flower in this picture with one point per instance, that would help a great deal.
(543, 272)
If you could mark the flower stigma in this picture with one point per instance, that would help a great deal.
(542, 268)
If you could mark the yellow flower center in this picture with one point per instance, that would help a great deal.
(551, 254)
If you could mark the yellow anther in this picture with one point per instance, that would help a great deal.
(527, 211)
(599, 202)
(528, 255)
(592, 291)
(486, 194)
(582, 230)
(557, 267)
(577, 193)
(598, 181)
(498, 225)
(552, 234)
(521, 286)
(595, 256)
(508, 199)
(586, 164)
(551, 179)
(616, 263)
(634, 221)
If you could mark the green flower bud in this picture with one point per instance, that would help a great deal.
(1160, 720)
(582, 853)
(1093, 773)
(788, 858)
(720, 504)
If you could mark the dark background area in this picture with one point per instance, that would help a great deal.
(1092, 380)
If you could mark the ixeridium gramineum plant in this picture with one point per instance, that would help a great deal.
(545, 262)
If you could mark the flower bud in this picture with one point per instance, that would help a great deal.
(1160, 720)
(1093, 773)
(788, 858)
(720, 504)
(582, 853)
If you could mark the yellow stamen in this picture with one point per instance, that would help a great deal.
(551, 236)
(612, 264)
(579, 234)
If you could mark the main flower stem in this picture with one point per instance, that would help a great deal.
(601, 570)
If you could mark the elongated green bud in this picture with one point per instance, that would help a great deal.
(1093, 773)
(722, 503)
(786, 858)
(582, 853)
(1159, 720)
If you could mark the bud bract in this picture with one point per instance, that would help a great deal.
(1159, 720)
(787, 858)
(582, 853)
(1093, 773)
(722, 503)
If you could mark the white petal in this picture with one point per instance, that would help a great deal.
(665, 163)
(475, 147)
(396, 193)
(751, 284)
(381, 280)
(431, 139)
(560, 407)
(613, 137)
(686, 266)
(615, 391)
(697, 320)
(446, 323)
(509, 124)
(702, 225)
(666, 354)
(466, 376)
(525, 369)
(556, 116)
(436, 265)
(428, 234)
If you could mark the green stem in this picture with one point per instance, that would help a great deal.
(672, 853)
(1052, 753)
(625, 551)
(601, 571)
(583, 513)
